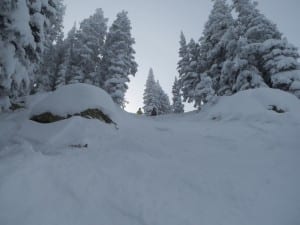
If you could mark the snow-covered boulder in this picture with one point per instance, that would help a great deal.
(75, 100)
(262, 104)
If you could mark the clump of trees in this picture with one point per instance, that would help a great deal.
(28, 29)
(236, 54)
(233, 54)
(35, 56)
(94, 55)
(155, 97)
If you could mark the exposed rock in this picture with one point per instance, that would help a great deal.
(276, 109)
(48, 117)
(95, 114)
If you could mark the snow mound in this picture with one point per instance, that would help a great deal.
(263, 104)
(75, 98)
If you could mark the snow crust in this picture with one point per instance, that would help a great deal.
(75, 98)
(241, 169)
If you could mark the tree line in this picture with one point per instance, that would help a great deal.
(233, 54)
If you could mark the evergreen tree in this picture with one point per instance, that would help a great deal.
(252, 24)
(46, 71)
(150, 94)
(204, 91)
(52, 69)
(238, 72)
(73, 74)
(266, 48)
(280, 65)
(155, 97)
(190, 77)
(91, 36)
(212, 43)
(163, 101)
(118, 58)
(22, 41)
(177, 106)
(183, 63)
(278, 56)
(206, 60)
(55, 26)
(255, 28)
(241, 70)
(57, 78)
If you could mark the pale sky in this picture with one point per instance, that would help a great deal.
(156, 28)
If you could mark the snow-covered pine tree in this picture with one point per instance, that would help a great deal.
(46, 73)
(57, 78)
(238, 71)
(55, 26)
(23, 28)
(267, 50)
(278, 56)
(53, 66)
(280, 65)
(255, 29)
(212, 45)
(44, 70)
(164, 106)
(91, 36)
(227, 78)
(14, 64)
(118, 61)
(183, 62)
(155, 97)
(207, 58)
(204, 91)
(73, 72)
(150, 94)
(177, 106)
(190, 77)
(252, 24)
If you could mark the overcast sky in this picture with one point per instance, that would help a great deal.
(156, 28)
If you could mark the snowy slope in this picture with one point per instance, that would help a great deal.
(235, 163)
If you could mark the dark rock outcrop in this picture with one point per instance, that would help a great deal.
(48, 117)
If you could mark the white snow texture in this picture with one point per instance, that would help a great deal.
(234, 163)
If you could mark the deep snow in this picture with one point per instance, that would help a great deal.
(234, 163)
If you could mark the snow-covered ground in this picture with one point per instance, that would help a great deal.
(234, 163)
